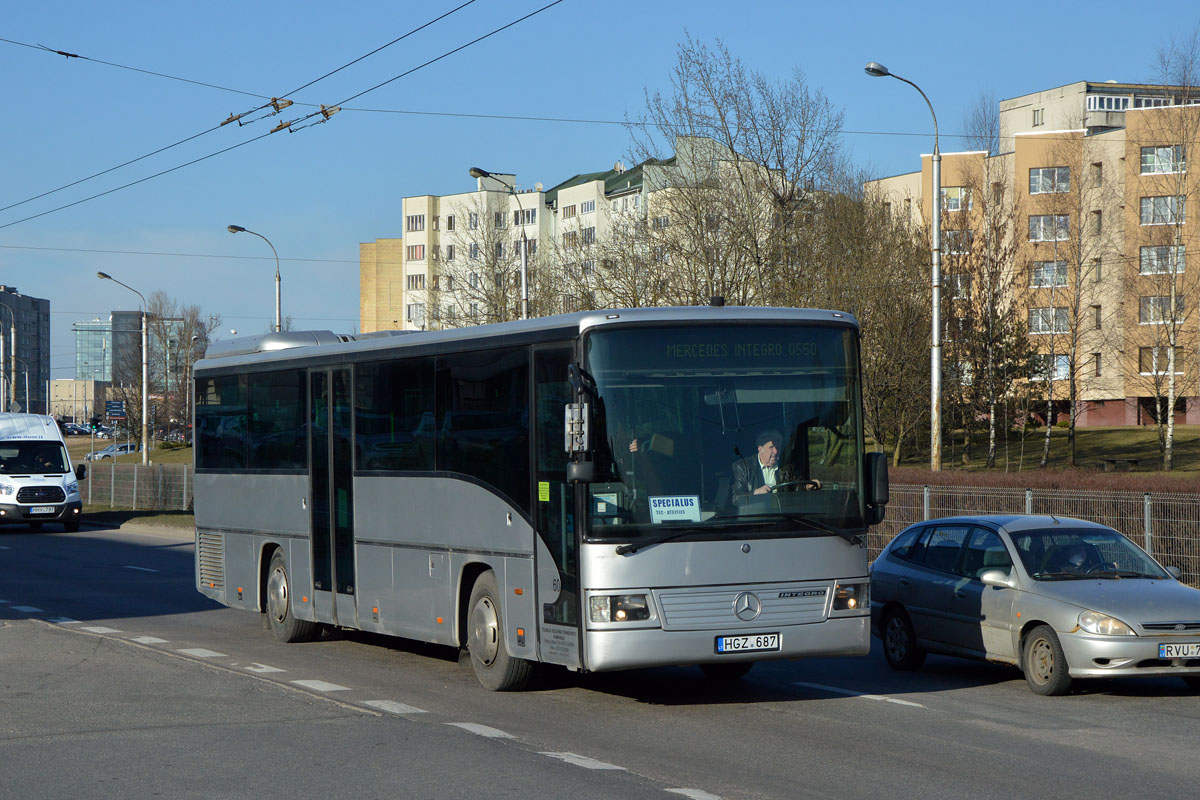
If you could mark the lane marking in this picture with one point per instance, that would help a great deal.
(392, 707)
(200, 652)
(852, 693)
(262, 668)
(99, 629)
(65, 621)
(322, 686)
(696, 794)
(582, 761)
(482, 730)
(148, 640)
(27, 609)
(140, 569)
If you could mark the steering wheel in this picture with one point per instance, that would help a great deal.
(811, 483)
(1103, 566)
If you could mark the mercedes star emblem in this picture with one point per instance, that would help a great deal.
(747, 606)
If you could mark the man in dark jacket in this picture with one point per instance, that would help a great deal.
(762, 474)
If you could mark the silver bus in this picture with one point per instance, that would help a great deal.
(585, 490)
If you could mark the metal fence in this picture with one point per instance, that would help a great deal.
(166, 487)
(1166, 525)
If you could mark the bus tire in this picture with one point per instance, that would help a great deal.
(494, 667)
(284, 625)
(730, 671)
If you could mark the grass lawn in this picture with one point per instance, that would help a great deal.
(79, 446)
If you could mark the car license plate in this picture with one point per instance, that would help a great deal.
(749, 644)
(1179, 650)
(41, 510)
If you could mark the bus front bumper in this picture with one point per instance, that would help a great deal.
(613, 649)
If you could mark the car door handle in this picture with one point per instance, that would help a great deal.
(960, 594)
(905, 582)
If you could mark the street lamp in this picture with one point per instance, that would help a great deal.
(278, 307)
(104, 276)
(877, 70)
(476, 172)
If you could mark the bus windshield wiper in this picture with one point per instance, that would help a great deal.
(812, 524)
(633, 547)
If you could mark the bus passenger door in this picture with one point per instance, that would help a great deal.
(556, 539)
(330, 463)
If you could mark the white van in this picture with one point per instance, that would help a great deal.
(37, 483)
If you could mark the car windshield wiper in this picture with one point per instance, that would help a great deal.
(633, 547)
(1120, 573)
(1061, 576)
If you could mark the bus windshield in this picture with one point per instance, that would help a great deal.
(731, 430)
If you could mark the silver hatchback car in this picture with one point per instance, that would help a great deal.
(1060, 598)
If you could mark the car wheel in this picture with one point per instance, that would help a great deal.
(900, 646)
(1044, 663)
(279, 605)
(727, 672)
(1192, 681)
(494, 667)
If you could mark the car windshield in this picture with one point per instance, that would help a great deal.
(33, 458)
(1064, 554)
(729, 431)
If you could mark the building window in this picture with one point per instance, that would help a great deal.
(443, 282)
(1143, 101)
(499, 219)
(661, 256)
(1155, 361)
(415, 313)
(450, 222)
(588, 266)
(473, 249)
(1096, 314)
(473, 221)
(957, 198)
(499, 249)
(1048, 320)
(1046, 367)
(525, 216)
(1049, 227)
(959, 285)
(1096, 361)
(416, 281)
(1049, 180)
(414, 252)
(1165, 210)
(1161, 260)
(449, 252)
(1097, 222)
(1156, 310)
(1097, 269)
(473, 310)
(570, 239)
(414, 222)
(473, 280)
(661, 222)
(587, 207)
(1045, 274)
(1107, 102)
(1097, 174)
(1162, 160)
(1039, 116)
(568, 211)
(589, 235)
(958, 243)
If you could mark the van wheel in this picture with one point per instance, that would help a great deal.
(279, 605)
(71, 525)
(494, 667)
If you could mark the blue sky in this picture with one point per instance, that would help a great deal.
(318, 192)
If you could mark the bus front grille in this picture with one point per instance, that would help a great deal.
(211, 555)
(711, 608)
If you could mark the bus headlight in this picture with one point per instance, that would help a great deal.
(618, 607)
(852, 597)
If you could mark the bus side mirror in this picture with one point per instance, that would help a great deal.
(877, 487)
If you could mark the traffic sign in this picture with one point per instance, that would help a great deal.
(115, 409)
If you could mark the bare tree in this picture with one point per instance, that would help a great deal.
(477, 279)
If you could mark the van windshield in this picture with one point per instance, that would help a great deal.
(33, 458)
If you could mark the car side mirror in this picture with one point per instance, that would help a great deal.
(80, 471)
(998, 578)
(1176, 573)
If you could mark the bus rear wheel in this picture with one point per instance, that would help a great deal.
(494, 667)
(279, 605)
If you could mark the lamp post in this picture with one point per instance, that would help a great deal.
(476, 172)
(877, 70)
(278, 307)
(104, 276)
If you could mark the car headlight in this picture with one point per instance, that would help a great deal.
(852, 597)
(7, 488)
(618, 607)
(1103, 624)
(73, 487)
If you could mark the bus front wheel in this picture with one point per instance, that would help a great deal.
(279, 605)
(494, 667)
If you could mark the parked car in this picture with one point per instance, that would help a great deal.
(113, 450)
(1060, 598)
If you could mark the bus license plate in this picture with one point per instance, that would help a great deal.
(1179, 650)
(749, 644)
(41, 510)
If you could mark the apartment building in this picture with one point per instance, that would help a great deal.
(1091, 192)
(24, 351)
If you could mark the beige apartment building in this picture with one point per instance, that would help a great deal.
(1086, 206)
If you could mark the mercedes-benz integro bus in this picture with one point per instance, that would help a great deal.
(561, 490)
